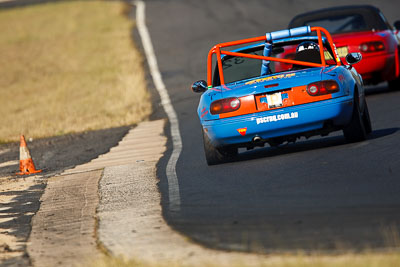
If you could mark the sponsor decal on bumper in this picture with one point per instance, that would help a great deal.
(279, 117)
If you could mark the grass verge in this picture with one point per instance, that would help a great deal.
(390, 259)
(69, 67)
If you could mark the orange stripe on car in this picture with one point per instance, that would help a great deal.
(295, 96)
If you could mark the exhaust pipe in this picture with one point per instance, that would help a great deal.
(256, 139)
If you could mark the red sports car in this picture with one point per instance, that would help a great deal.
(361, 29)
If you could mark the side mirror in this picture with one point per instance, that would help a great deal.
(199, 86)
(397, 25)
(353, 58)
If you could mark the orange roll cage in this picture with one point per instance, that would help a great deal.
(217, 50)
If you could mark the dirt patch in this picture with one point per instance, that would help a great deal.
(19, 201)
(19, 195)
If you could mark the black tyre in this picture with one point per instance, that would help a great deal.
(367, 120)
(356, 130)
(217, 155)
(395, 84)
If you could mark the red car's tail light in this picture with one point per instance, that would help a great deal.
(225, 105)
(369, 47)
(322, 88)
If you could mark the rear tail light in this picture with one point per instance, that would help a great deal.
(369, 47)
(225, 105)
(322, 88)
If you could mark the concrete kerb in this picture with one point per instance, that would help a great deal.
(64, 228)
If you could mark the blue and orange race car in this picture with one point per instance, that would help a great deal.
(257, 96)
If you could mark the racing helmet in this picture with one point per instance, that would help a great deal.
(307, 45)
(307, 51)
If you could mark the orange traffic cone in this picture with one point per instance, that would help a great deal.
(26, 165)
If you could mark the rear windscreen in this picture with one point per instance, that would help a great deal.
(345, 19)
(338, 24)
(240, 68)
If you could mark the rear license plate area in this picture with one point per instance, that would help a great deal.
(274, 100)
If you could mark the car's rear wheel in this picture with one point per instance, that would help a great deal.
(359, 126)
(395, 84)
(367, 120)
(217, 155)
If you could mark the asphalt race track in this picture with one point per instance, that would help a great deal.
(317, 194)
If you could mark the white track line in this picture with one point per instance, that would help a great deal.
(173, 185)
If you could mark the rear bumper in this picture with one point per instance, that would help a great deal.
(377, 68)
(281, 122)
